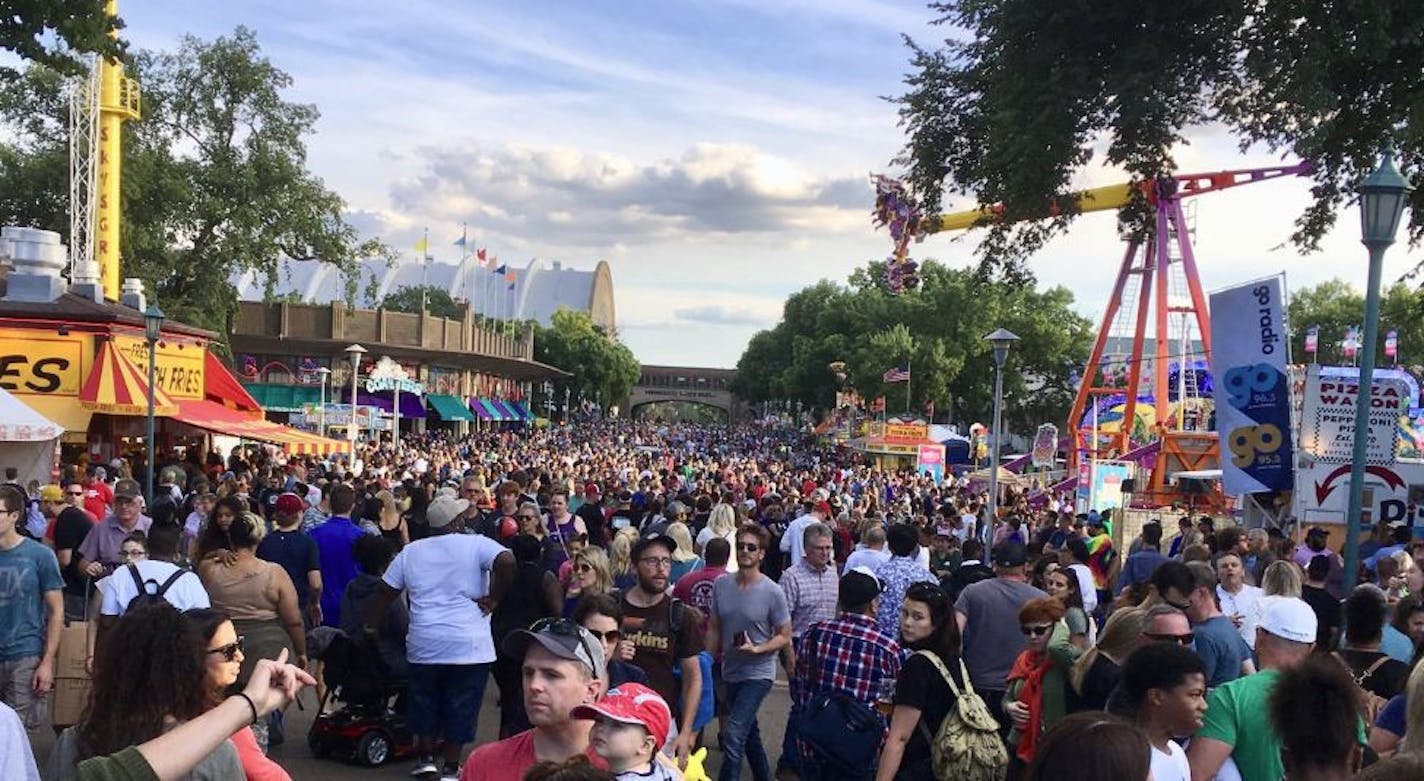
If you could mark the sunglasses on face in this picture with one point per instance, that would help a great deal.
(229, 652)
(611, 636)
(1036, 631)
(526, 517)
(1158, 637)
(583, 568)
(748, 547)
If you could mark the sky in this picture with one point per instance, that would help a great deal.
(716, 153)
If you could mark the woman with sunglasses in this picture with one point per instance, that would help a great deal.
(589, 574)
(222, 659)
(1036, 697)
(922, 695)
(143, 687)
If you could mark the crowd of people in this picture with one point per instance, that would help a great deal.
(636, 592)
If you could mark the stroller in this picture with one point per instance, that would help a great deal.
(369, 728)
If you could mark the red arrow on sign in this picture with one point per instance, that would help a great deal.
(1324, 488)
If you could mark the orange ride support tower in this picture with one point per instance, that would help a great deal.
(1149, 263)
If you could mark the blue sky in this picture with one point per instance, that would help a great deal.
(714, 152)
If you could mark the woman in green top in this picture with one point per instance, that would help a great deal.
(1037, 695)
(1063, 586)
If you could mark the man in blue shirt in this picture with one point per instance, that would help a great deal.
(31, 612)
(1138, 567)
(335, 540)
(296, 552)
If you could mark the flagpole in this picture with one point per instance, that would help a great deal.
(424, 269)
(908, 411)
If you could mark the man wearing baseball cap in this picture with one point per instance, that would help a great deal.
(296, 552)
(563, 669)
(101, 550)
(453, 581)
(630, 725)
(1234, 727)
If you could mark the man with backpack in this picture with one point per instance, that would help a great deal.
(150, 576)
(841, 667)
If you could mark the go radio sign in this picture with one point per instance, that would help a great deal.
(1252, 392)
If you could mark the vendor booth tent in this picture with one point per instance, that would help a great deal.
(27, 440)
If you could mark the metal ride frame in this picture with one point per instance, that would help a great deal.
(1151, 260)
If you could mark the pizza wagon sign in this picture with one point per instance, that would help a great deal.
(1328, 417)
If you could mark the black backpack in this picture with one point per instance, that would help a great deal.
(842, 732)
(145, 596)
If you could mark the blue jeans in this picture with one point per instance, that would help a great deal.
(740, 736)
(444, 700)
(790, 750)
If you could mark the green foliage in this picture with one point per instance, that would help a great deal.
(603, 368)
(436, 300)
(939, 329)
(1335, 307)
(80, 26)
(214, 181)
(1011, 111)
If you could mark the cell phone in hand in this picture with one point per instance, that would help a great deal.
(740, 639)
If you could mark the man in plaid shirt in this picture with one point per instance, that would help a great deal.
(848, 654)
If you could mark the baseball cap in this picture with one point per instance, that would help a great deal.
(631, 703)
(289, 504)
(592, 489)
(1010, 554)
(1317, 531)
(649, 540)
(443, 509)
(1288, 618)
(562, 638)
(51, 493)
(858, 587)
(127, 489)
(824, 508)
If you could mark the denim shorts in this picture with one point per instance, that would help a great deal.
(444, 700)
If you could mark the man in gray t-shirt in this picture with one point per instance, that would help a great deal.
(988, 621)
(750, 624)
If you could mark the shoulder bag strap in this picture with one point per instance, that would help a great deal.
(1371, 669)
(137, 578)
(943, 671)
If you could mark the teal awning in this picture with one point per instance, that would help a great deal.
(283, 398)
(449, 407)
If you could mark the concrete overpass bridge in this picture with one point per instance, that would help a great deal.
(695, 385)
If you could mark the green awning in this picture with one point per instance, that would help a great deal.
(449, 407)
(283, 398)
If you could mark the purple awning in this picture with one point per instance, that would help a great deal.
(412, 406)
(480, 409)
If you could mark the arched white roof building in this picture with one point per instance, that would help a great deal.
(539, 288)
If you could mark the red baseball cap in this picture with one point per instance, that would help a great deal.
(289, 504)
(591, 490)
(631, 703)
(824, 508)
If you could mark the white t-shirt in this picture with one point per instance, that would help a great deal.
(706, 534)
(443, 576)
(1170, 766)
(1244, 603)
(119, 589)
(867, 557)
(1086, 585)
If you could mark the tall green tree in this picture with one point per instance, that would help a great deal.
(938, 329)
(215, 176)
(436, 300)
(1013, 105)
(54, 33)
(602, 368)
(1335, 306)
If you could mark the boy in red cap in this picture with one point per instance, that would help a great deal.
(630, 725)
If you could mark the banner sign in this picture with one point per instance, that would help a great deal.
(906, 432)
(1328, 415)
(1045, 445)
(1107, 477)
(930, 460)
(1252, 393)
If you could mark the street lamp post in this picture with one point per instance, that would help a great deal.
(1383, 197)
(1001, 340)
(354, 352)
(325, 373)
(152, 329)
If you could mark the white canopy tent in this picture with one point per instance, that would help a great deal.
(28, 440)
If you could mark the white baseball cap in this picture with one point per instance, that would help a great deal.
(1288, 618)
